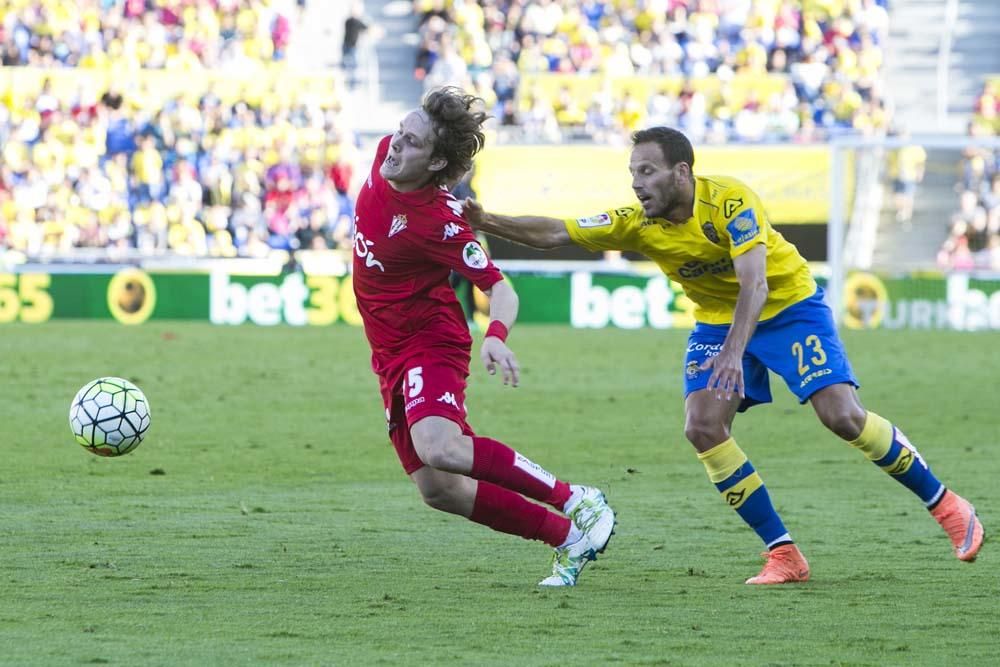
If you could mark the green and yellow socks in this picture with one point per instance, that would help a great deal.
(743, 490)
(886, 446)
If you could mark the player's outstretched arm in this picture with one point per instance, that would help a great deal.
(530, 230)
(727, 367)
(494, 352)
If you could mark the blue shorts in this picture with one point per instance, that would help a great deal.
(800, 344)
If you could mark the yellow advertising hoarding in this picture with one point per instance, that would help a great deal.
(575, 181)
(151, 88)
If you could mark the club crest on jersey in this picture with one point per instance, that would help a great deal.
(744, 227)
(692, 368)
(474, 256)
(599, 220)
(709, 230)
(450, 229)
(398, 224)
(730, 205)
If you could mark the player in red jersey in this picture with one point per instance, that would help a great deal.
(410, 234)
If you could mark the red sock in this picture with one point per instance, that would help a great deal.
(503, 510)
(496, 462)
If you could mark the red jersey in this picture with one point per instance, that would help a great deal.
(405, 246)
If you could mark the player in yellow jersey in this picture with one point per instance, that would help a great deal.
(757, 307)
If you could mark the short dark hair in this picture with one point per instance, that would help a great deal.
(458, 130)
(674, 145)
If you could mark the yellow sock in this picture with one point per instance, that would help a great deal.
(875, 438)
(890, 450)
(743, 490)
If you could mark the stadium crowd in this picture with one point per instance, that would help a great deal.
(170, 156)
(202, 171)
(973, 240)
(721, 70)
(173, 34)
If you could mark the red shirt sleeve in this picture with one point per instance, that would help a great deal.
(447, 239)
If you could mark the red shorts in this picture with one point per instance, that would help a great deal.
(432, 385)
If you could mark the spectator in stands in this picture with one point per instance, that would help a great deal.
(434, 22)
(354, 26)
(146, 168)
(448, 68)
(991, 197)
(974, 237)
(954, 253)
(906, 169)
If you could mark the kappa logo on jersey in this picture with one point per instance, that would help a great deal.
(450, 229)
(599, 220)
(730, 206)
(398, 224)
(744, 227)
(474, 256)
(449, 398)
(363, 249)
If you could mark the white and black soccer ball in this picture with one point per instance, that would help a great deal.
(109, 416)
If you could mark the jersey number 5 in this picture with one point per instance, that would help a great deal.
(415, 380)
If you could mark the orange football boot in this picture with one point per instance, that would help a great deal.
(958, 518)
(785, 565)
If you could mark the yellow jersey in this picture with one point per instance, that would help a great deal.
(698, 254)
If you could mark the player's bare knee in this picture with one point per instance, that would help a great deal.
(704, 434)
(437, 498)
(440, 453)
(430, 452)
(846, 421)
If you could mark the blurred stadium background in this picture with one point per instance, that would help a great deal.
(227, 139)
(181, 164)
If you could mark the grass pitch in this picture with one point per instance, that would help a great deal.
(266, 521)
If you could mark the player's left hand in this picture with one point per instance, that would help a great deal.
(727, 374)
(495, 352)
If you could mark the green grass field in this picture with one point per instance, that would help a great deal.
(266, 521)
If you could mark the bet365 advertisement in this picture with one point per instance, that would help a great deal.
(581, 299)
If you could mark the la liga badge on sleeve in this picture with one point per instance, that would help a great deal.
(474, 255)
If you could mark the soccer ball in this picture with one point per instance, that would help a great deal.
(109, 416)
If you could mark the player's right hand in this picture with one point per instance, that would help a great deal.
(496, 353)
(473, 212)
(727, 374)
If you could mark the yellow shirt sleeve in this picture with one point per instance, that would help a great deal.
(614, 229)
(742, 220)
